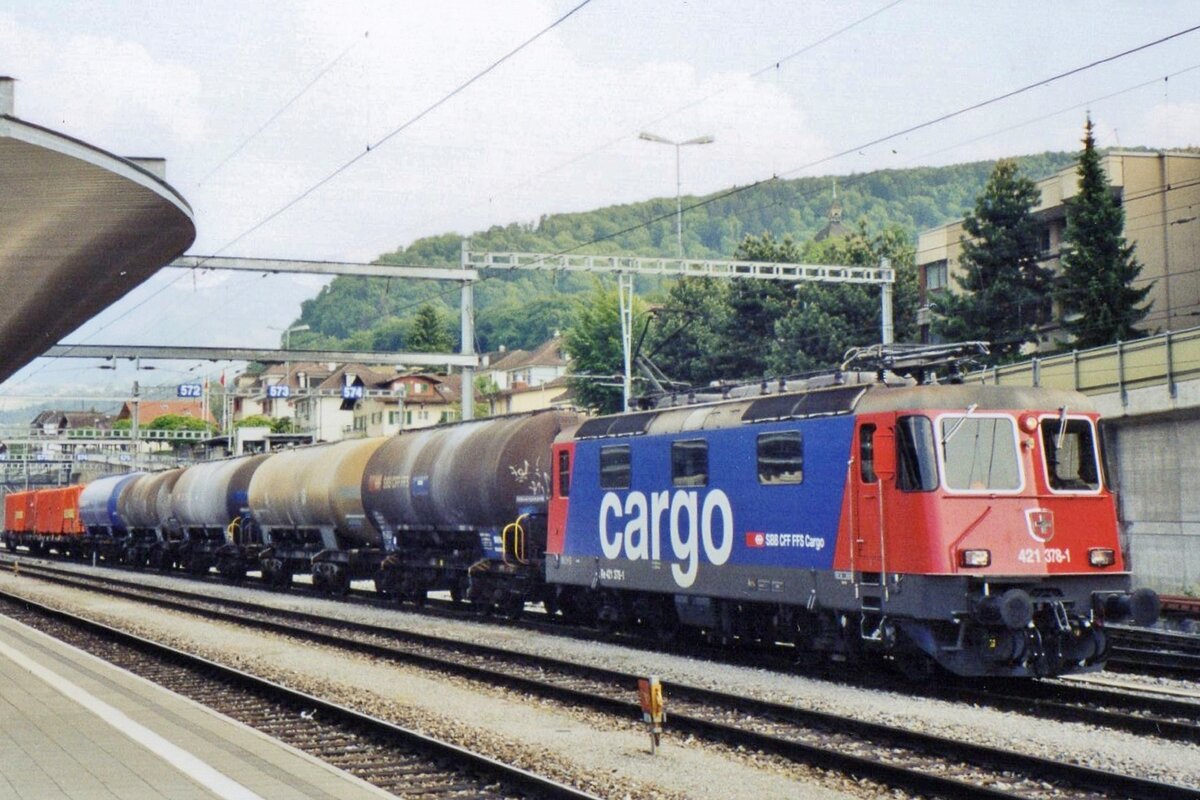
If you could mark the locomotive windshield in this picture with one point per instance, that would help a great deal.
(980, 453)
(1070, 451)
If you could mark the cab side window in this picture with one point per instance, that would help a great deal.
(866, 454)
(564, 473)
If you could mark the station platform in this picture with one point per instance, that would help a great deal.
(74, 726)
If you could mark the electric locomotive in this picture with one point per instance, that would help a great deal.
(967, 526)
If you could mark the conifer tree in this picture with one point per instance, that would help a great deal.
(1096, 295)
(1005, 290)
(429, 333)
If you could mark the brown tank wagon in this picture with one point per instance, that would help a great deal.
(308, 504)
(458, 504)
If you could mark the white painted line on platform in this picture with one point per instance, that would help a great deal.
(210, 778)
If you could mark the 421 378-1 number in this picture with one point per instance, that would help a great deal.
(1048, 555)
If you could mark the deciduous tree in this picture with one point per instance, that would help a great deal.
(593, 342)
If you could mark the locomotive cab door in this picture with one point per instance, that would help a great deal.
(876, 467)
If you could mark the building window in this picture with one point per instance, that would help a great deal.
(689, 462)
(780, 457)
(393, 418)
(615, 469)
(937, 276)
(408, 418)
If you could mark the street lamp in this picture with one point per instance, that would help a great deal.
(287, 333)
(652, 137)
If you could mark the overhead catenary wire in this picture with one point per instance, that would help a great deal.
(403, 127)
(722, 195)
(303, 91)
(888, 137)
(370, 148)
(773, 65)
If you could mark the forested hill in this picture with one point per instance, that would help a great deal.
(522, 309)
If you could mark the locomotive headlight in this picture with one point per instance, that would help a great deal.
(975, 558)
(1029, 423)
(1102, 557)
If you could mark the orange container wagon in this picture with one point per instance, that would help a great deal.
(58, 512)
(18, 512)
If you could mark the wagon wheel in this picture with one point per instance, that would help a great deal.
(916, 667)
(512, 608)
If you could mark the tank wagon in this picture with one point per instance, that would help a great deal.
(307, 504)
(211, 514)
(145, 507)
(463, 508)
(106, 533)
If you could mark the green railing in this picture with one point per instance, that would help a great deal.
(144, 435)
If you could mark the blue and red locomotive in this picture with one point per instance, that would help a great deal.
(965, 526)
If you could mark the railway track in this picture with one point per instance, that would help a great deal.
(1163, 652)
(1132, 712)
(893, 756)
(397, 760)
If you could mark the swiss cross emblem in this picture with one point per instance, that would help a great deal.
(1041, 523)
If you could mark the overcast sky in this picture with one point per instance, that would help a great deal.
(555, 127)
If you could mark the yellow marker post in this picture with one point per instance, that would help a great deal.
(650, 694)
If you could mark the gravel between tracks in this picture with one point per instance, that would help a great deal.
(586, 749)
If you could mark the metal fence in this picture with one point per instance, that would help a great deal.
(1161, 360)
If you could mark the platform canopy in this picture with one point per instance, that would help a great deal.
(79, 228)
